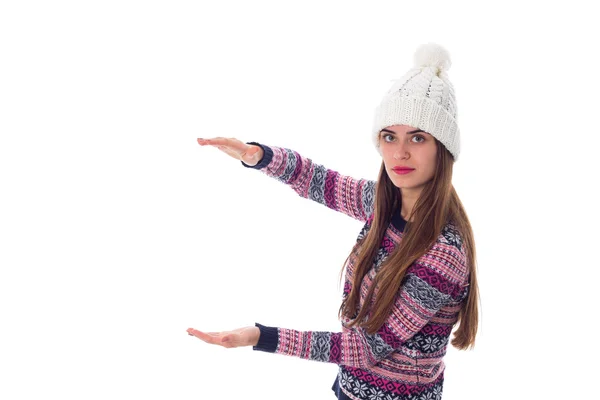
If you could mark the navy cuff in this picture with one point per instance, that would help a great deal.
(268, 340)
(266, 159)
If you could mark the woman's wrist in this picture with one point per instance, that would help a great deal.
(255, 336)
(261, 158)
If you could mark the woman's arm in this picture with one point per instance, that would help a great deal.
(353, 197)
(434, 281)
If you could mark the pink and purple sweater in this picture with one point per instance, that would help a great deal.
(404, 358)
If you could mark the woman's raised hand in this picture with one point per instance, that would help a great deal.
(247, 336)
(248, 153)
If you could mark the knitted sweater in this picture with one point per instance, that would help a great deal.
(404, 358)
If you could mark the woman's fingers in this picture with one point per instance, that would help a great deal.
(240, 337)
(250, 154)
(230, 146)
(221, 141)
(225, 339)
(208, 338)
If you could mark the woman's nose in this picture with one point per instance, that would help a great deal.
(400, 153)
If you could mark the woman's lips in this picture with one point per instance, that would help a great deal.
(403, 171)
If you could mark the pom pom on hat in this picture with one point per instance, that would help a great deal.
(432, 55)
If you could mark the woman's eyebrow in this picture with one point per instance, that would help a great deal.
(408, 133)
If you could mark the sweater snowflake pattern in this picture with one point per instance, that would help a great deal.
(404, 358)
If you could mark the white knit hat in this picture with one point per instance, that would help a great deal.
(423, 98)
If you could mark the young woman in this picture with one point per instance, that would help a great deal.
(411, 276)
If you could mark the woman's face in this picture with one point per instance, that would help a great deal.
(409, 156)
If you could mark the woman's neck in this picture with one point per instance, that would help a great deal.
(409, 198)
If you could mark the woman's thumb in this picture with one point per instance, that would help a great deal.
(252, 151)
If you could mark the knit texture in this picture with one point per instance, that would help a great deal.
(404, 359)
(423, 98)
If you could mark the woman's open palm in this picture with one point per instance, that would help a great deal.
(247, 336)
(248, 153)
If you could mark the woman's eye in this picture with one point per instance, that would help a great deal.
(418, 138)
(386, 136)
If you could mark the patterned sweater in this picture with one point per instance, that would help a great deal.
(404, 358)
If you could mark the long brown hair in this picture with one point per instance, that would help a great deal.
(437, 204)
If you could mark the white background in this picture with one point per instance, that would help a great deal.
(118, 232)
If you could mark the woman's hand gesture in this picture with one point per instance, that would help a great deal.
(248, 153)
(247, 336)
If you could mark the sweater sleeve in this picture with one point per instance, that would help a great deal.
(435, 280)
(353, 197)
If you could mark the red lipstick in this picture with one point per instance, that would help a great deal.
(402, 170)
